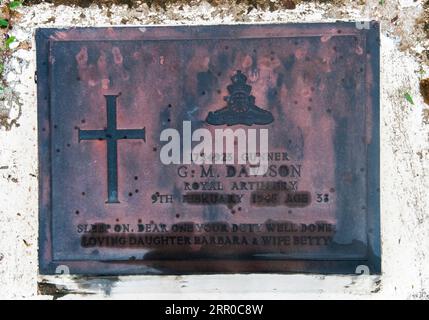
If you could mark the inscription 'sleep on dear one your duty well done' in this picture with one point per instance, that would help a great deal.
(215, 149)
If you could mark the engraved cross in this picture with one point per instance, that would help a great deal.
(112, 134)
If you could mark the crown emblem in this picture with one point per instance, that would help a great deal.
(240, 108)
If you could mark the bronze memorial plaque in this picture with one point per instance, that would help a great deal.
(209, 149)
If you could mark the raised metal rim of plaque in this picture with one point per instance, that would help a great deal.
(369, 31)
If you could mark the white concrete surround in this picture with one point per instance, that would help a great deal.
(404, 161)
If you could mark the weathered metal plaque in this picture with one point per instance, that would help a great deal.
(215, 149)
